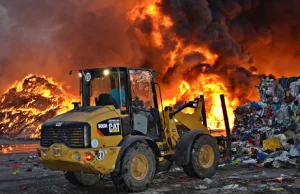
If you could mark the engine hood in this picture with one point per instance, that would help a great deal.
(84, 116)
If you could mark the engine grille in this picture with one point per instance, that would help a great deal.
(73, 137)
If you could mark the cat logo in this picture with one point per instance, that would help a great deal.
(114, 126)
(59, 124)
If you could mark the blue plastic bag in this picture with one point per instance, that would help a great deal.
(298, 145)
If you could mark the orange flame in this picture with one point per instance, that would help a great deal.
(209, 85)
(160, 22)
(211, 88)
(30, 102)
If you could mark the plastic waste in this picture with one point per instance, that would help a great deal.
(276, 189)
(271, 144)
(297, 144)
(232, 186)
(235, 162)
(201, 187)
(294, 152)
(250, 161)
(207, 181)
(15, 172)
(262, 156)
(269, 130)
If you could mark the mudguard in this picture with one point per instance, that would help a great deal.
(128, 141)
(184, 146)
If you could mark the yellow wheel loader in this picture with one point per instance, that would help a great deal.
(117, 130)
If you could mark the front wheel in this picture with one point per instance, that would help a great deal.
(83, 179)
(204, 158)
(137, 168)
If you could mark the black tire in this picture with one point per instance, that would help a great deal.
(203, 170)
(125, 180)
(188, 169)
(82, 179)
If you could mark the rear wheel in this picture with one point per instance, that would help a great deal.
(82, 179)
(137, 168)
(204, 158)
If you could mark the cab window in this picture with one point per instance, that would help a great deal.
(141, 89)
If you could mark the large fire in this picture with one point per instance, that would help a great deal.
(210, 85)
(211, 88)
(30, 102)
(35, 99)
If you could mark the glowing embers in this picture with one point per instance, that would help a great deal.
(30, 102)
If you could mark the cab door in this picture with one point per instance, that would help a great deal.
(144, 107)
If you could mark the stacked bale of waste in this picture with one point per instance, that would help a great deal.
(269, 130)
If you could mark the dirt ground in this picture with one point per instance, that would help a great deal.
(22, 173)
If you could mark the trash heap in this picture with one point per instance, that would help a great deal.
(267, 133)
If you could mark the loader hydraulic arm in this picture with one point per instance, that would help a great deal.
(191, 121)
(191, 104)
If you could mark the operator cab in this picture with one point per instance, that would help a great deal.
(130, 90)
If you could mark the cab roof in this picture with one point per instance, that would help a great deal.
(153, 71)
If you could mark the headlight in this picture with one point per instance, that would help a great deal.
(106, 72)
(87, 136)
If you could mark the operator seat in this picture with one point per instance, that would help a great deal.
(106, 99)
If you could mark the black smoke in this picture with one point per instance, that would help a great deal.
(51, 37)
(250, 37)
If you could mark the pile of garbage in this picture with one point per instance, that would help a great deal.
(268, 132)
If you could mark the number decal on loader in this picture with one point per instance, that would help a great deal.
(109, 127)
(100, 155)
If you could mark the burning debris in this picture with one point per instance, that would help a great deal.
(29, 103)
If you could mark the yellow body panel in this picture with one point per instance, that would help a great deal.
(93, 118)
(60, 157)
(191, 121)
(108, 144)
(83, 116)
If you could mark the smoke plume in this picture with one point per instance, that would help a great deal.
(238, 40)
(53, 36)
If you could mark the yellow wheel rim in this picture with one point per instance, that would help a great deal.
(139, 167)
(206, 156)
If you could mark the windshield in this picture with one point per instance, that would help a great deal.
(106, 87)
